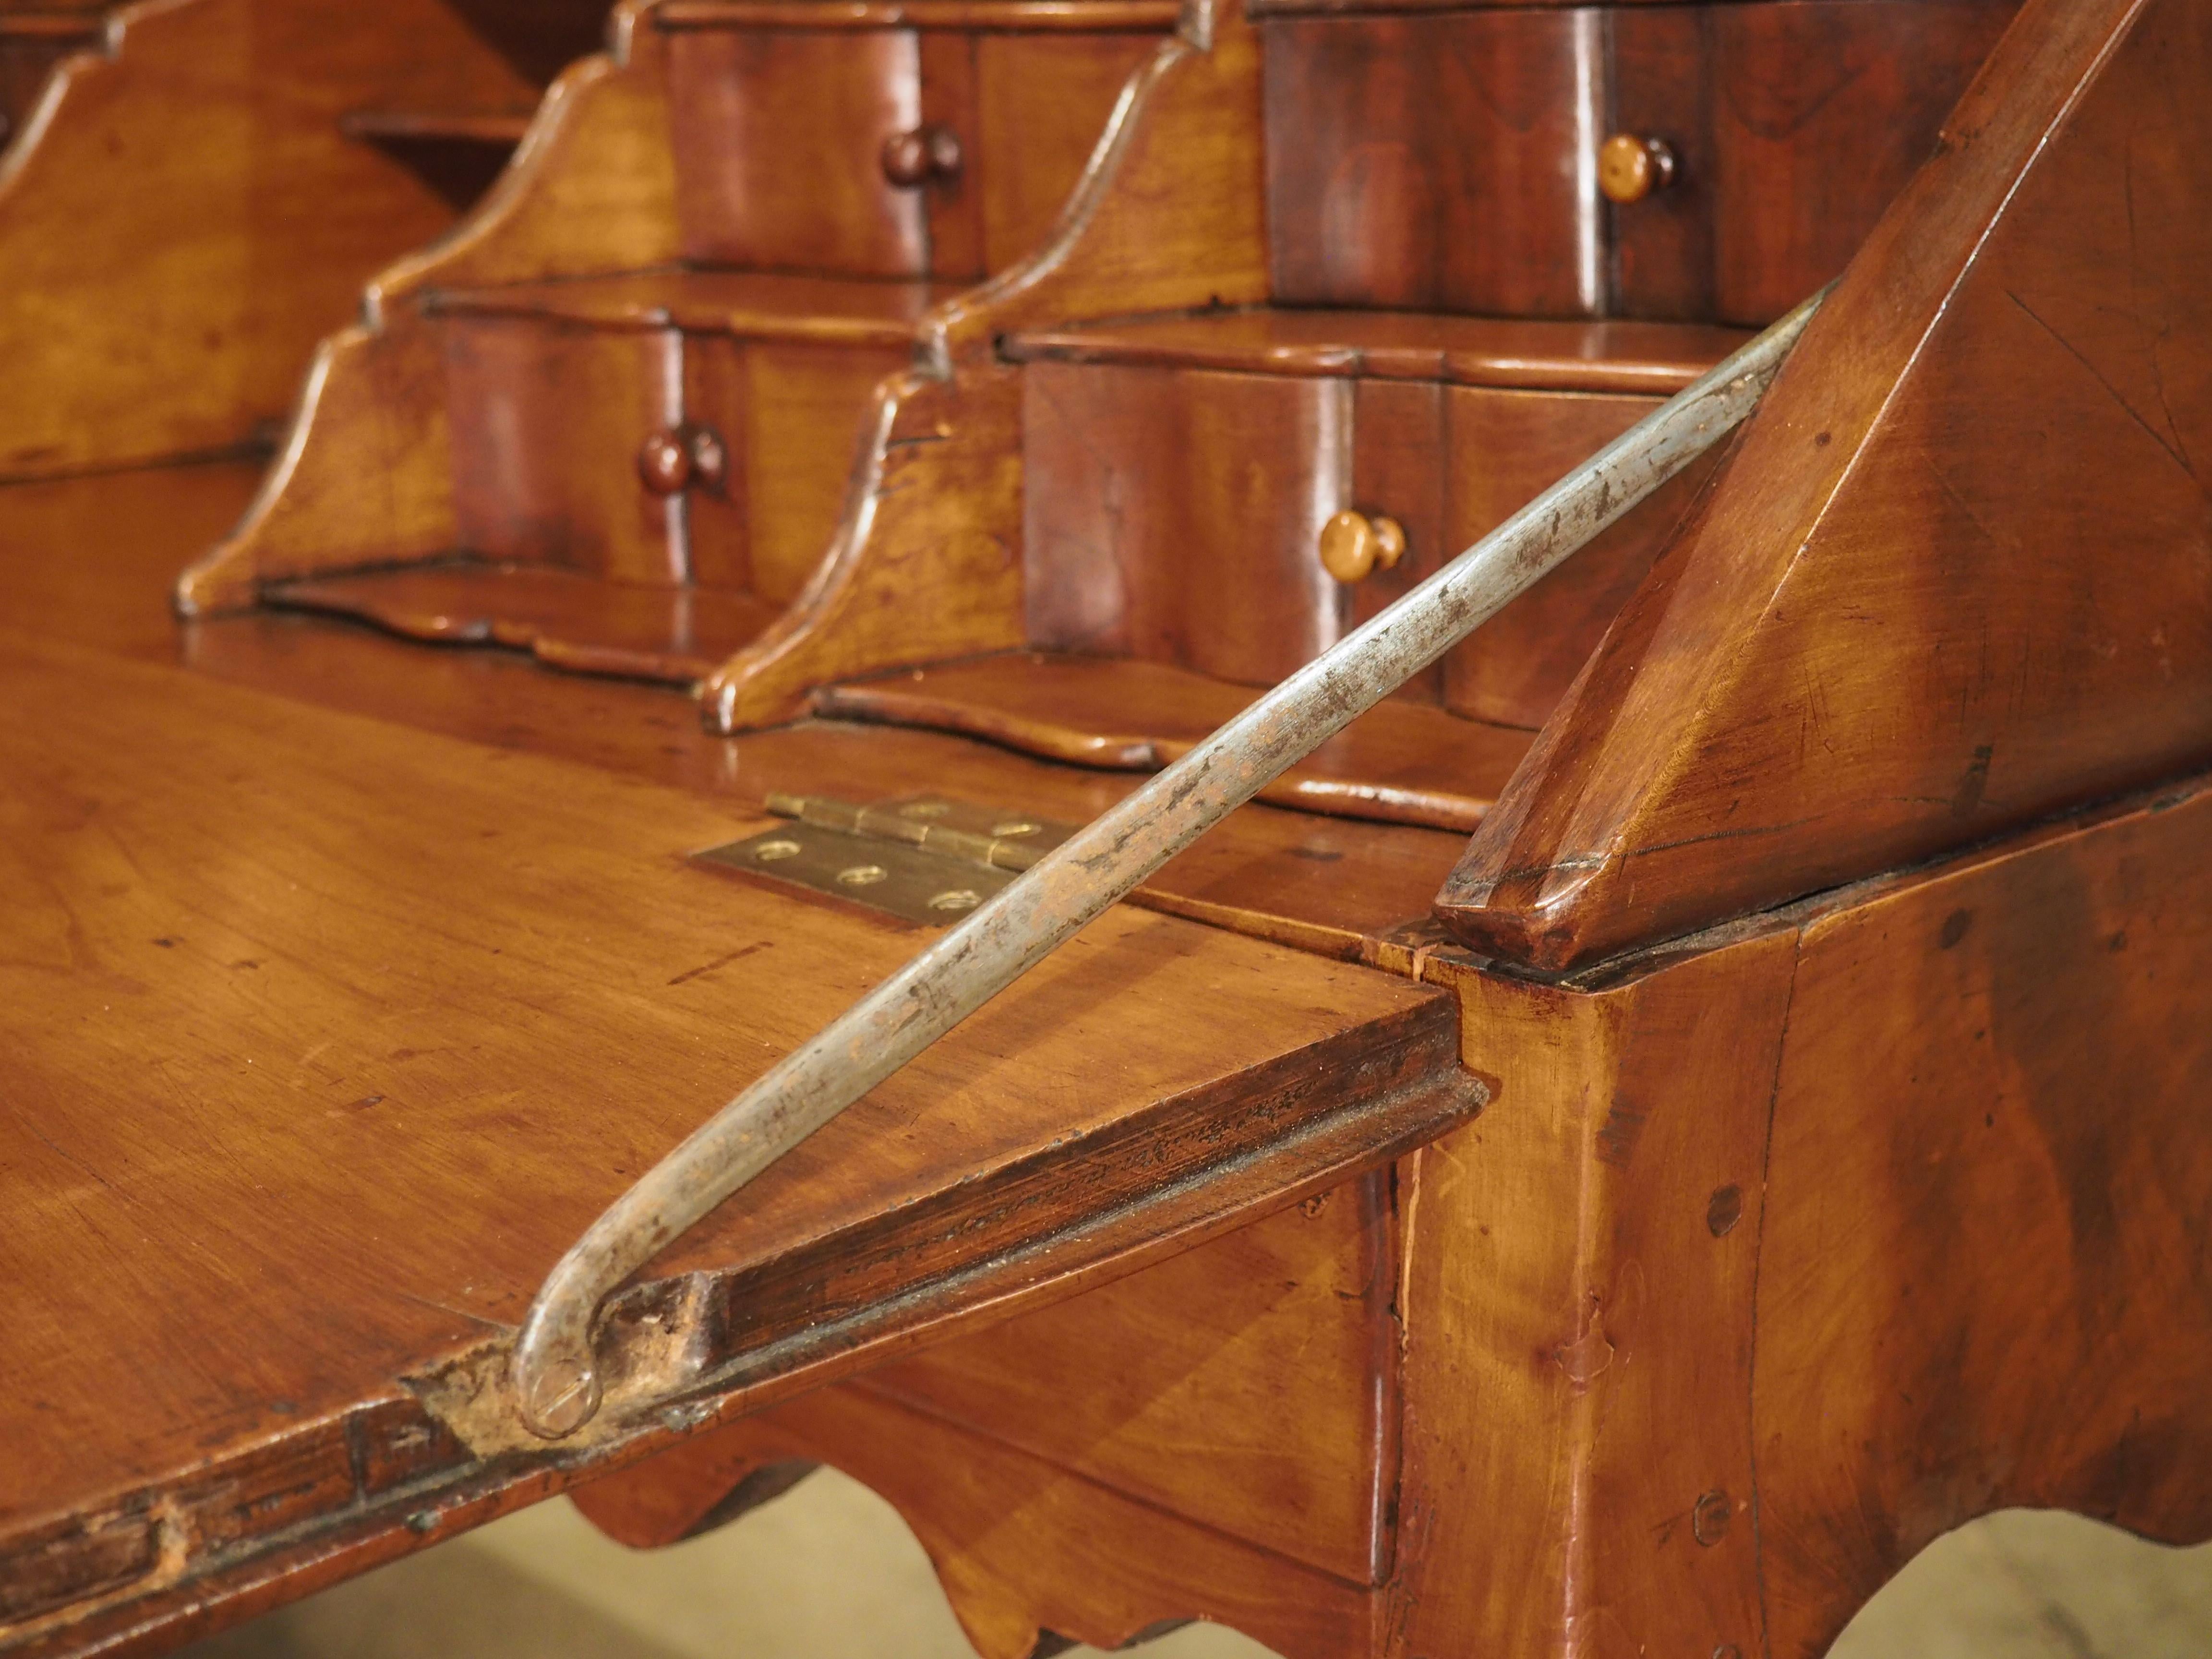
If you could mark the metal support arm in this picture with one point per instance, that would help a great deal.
(554, 1368)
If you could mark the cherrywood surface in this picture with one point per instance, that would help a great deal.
(252, 898)
(1342, 887)
(566, 618)
(1174, 516)
(1526, 355)
(1780, 1248)
(1501, 450)
(1445, 159)
(1578, 1350)
(1947, 582)
(1040, 16)
(1416, 161)
(1775, 1256)
(545, 427)
(737, 98)
(1279, 1338)
(1024, 1548)
(1399, 764)
(567, 339)
(189, 216)
(1994, 1295)
(1822, 111)
(750, 305)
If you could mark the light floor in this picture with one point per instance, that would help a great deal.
(828, 1571)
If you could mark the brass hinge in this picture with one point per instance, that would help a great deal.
(920, 858)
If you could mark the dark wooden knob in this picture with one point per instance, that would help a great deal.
(1631, 167)
(663, 462)
(914, 158)
(1353, 545)
(710, 458)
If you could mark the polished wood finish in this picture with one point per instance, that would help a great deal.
(1655, 359)
(1332, 886)
(1806, 158)
(1629, 167)
(1723, 1406)
(1182, 1281)
(737, 98)
(1501, 449)
(1354, 547)
(1029, 1553)
(291, 1188)
(1274, 1334)
(1940, 589)
(1184, 516)
(1400, 763)
(189, 213)
(1451, 160)
(1415, 161)
(577, 366)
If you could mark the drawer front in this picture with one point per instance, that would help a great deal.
(1433, 162)
(1821, 113)
(546, 422)
(779, 137)
(790, 418)
(1174, 514)
(1449, 161)
(1504, 448)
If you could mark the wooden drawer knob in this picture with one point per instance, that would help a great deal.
(663, 462)
(1353, 545)
(1630, 167)
(680, 457)
(914, 158)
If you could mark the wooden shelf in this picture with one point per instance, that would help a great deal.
(570, 618)
(1403, 763)
(504, 127)
(746, 305)
(1651, 358)
(1026, 16)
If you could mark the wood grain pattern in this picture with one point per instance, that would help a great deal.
(931, 509)
(187, 218)
(1336, 887)
(1167, 213)
(1400, 763)
(1579, 1348)
(1249, 1384)
(1427, 161)
(1947, 582)
(592, 192)
(1025, 1550)
(1505, 447)
(1442, 158)
(1174, 516)
(1042, 102)
(742, 103)
(1983, 1272)
(286, 1188)
(1526, 355)
(365, 476)
(545, 425)
(565, 617)
(1822, 111)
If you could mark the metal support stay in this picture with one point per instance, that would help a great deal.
(553, 1369)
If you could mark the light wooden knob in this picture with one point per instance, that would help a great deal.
(1353, 545)
(1631, 167)
(914, 158)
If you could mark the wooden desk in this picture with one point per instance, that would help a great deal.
(326, 1036)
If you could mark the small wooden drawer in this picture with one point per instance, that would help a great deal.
(1448, 160)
